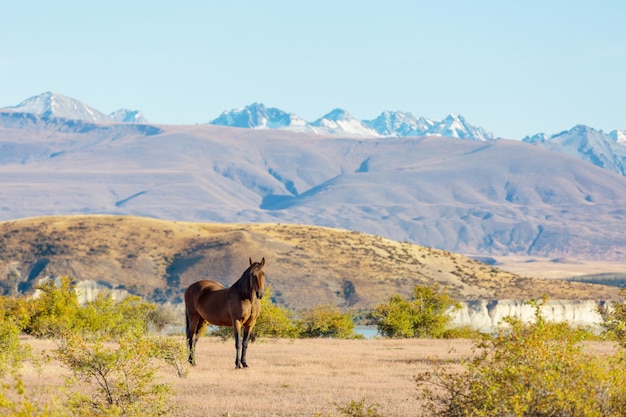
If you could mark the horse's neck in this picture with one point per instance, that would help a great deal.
(244, 288)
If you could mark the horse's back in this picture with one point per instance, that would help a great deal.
(209, 299)
(195, 290)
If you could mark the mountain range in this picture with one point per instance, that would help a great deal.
(558, 195)
(340, 122)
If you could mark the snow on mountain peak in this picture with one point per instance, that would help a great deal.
(50, 105)
(340, 122)
(258, 116)
(618, 136)
(54, 105)
(394, 123)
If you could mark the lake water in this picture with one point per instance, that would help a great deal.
(369, 332)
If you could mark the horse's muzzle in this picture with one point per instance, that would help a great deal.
(259, 294)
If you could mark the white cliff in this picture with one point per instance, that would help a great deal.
(488, 315)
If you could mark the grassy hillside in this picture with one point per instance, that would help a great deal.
(306, 265)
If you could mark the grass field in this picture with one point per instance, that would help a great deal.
(306, 377)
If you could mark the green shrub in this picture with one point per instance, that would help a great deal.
(173, 352)
(105, 317)
(425, 314)
(537, 369)
(327, 321)
(12, 352)
(275, 321)
(122, 379)
(614, 321)
(54, 311)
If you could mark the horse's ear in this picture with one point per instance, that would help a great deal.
(263, 261)
(250, 261)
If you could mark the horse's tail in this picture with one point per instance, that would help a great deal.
(187, 326)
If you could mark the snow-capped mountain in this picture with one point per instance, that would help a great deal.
(258, 116)
(50, 105)
(341, 122)
(405, 124)
(606, 151)
(397, 123)
(54, 105)
(455, 126)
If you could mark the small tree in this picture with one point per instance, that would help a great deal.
(122, 379)
(326, 321)
(12, 352)
(54, 310)
(274, 320)
(425, 314)
(614, 321)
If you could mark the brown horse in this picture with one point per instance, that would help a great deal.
(238, 306)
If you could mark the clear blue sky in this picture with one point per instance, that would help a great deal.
(512, 67)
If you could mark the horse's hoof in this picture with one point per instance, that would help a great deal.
(243, 364)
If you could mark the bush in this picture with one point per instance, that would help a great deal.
(327, 321)
(614, 321)
(275, 321)
(105, 317)
(12, 352)
(536, 369)
(173, 352)
(56, 311)
(122, 379)
(426, 314)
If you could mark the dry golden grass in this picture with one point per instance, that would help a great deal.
(294, 378)
(290, 378)
(306, 265)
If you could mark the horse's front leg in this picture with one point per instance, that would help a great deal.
(244, 346)
(237, 331)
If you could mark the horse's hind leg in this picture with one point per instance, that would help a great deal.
(193, 327)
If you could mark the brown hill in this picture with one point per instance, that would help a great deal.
(306, 265)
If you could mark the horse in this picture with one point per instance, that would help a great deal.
(238, 307)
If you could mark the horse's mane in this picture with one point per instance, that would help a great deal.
(243, 284)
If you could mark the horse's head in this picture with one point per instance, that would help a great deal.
(257, 277)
